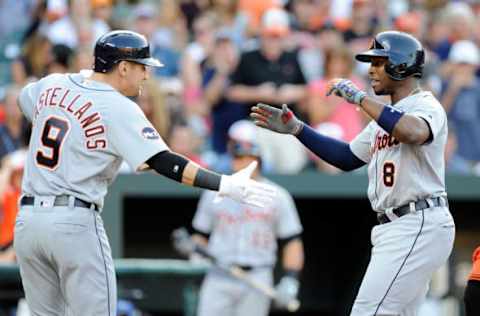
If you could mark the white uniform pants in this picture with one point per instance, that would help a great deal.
(65, 261)
(405, 254)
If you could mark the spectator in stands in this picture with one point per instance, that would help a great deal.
(59, 25)
(12, 130)
(270, 74)
(184, 141)
(454, 163)
(61, 58)
(254, 10)
(101, 13)
(312, 60)
(362, 26)
(338, 64)
(82, 59)
(172, 31)
(461, 98)
(460, 22)
(146, 22)
(14, 16)
(273, 75)
(33, 63)
(153, 103)
(231, 20)
(11, 177)
(216, 71)
(204, 28)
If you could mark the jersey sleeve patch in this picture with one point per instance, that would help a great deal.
(150, 133)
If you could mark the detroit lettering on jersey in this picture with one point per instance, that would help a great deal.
(77, 107)
(245, 216)
(384, 141)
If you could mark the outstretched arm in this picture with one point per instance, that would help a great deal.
(181, 169)
(238, 186)
(335, 152)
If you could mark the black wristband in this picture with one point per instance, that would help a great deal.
(207, 179)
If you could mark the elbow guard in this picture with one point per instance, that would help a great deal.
(168, 164)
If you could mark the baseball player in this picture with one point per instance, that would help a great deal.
(403, 146)
(83, 127)
(472, 291)
(245, 236)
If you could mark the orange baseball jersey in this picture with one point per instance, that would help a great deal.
(8, 215)
(475, 274)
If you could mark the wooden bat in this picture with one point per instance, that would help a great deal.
(184, 244)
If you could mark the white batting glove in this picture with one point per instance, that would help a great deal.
(241, 188)
(346, 89)
(287, 290)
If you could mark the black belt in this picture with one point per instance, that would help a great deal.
(61, 200)
(250, 268)
(405, 209)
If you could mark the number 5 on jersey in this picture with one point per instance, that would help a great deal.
(53, 134)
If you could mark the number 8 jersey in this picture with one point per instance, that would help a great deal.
(401, 173)
(82, 130)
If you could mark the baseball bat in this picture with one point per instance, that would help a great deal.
(184, 244)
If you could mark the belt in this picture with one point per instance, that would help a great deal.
(405, 209)
(250, 268)
(61, 200)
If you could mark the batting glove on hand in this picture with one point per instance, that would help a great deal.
(278, 120)
(286, 291)
(241, 188)
(346, 89)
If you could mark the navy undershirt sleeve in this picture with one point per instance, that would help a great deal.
(335, 152)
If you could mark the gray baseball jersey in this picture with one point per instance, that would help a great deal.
(246, 235)
(401, 173)
(82, 130)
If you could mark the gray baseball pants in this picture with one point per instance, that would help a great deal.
(65, 260)
(224, 295)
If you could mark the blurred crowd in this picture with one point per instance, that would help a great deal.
(223, 56)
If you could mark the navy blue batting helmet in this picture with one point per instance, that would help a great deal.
(116, 46)
(404, 52)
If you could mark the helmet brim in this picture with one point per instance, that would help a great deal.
(367, 56)
(152, 62)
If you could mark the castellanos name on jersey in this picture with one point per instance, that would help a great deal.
(82, 130)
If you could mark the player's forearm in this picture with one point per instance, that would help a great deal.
(181, 169)
(335, 152)
(293, 255)
(405, 128)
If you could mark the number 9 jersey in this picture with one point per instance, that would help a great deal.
(82, 130)
(401, 173)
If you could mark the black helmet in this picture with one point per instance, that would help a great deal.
(121, 45)
(405, 54)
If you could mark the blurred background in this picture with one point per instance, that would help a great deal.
(221, 57)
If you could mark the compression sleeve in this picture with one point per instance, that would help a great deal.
(335, 152)
(173, 166)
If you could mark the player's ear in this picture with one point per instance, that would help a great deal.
(123, 68)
